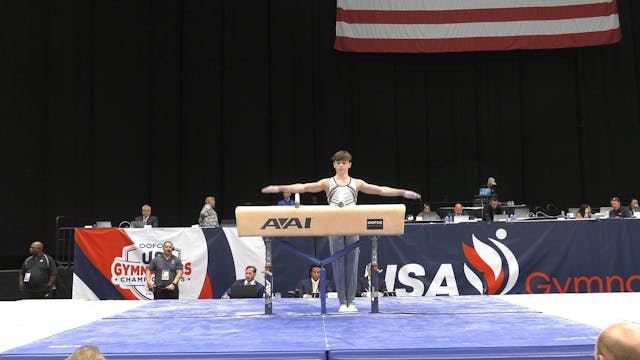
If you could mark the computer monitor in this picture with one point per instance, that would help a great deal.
(484, 191)
(500, 217)
(521, 213)
(605, 210)
(243, 291)
(103, 224)
(460, 219)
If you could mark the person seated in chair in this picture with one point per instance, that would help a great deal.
(249, 279)
(458, 210)
(492, 208)
(617, 211)
(364, 284)
(584, 212)
(427, 214)
(146, 217)
(633, 206)
(311, 285)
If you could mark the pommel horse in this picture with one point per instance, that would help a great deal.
(320, 220)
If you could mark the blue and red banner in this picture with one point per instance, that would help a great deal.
(527, 257)
(429, 259)
(111, 263)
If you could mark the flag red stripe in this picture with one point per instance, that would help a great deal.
(475, 15)
(477, 43)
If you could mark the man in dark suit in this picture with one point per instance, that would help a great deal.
(146, 217)
(249, 279)
(492, 208)
(311, 285)
(364, 284)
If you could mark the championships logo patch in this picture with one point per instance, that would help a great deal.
(129, 271)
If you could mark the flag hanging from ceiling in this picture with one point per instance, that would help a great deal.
(421, 26)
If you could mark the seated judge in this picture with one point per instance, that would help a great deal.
(584, 212)
(458, 210)
(427, 214)
(492, 208)
(146, 217)
(633, 206)
(311, 285)
(617, 211)
(364, 284)
(249, 279)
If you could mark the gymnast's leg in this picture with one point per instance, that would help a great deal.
(351, 272)
(337, 243)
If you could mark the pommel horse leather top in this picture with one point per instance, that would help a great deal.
(320, 220)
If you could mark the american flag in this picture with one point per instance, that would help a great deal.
(417, 26)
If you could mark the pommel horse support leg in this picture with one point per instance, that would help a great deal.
(268, 278)
(319, 220)
(374, 274)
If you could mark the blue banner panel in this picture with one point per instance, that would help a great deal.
(513, 257)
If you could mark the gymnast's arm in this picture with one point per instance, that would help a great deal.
(385, 190)
(312, 187)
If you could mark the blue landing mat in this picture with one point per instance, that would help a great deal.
(466, 327)
(393, 305)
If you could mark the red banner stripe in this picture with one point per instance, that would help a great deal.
(97, 251)
(475, 15)
(477, 44)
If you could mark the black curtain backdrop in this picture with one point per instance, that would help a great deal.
(107, 105)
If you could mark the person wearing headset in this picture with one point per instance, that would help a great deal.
(168, 272)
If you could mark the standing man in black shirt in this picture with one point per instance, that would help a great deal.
(168, 270)
(38, 274)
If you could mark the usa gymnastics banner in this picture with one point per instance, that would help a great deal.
(527, 257)
(111, 263)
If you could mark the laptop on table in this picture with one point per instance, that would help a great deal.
(103, 224)
(243, 291)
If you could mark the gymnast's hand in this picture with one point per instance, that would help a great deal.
(411, 195)
(271, 189)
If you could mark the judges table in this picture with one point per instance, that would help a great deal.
(476, 211)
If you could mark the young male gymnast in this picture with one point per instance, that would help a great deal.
(342, 190)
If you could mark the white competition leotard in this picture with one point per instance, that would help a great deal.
(340, 196)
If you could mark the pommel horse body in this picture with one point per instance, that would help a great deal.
(320, 220)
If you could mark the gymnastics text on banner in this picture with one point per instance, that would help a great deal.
(427, 26)
(118, 258)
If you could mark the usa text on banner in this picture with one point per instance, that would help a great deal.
(415, 26)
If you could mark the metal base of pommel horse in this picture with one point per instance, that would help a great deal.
(320, 220)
